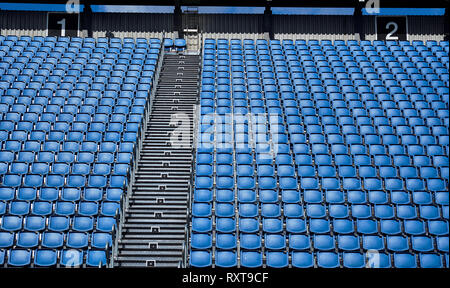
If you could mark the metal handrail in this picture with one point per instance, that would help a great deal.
(195, 116)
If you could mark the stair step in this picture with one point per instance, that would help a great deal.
(156, 219)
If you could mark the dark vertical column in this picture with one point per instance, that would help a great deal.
(177, 19)
(358, 22)
(446, 25)
(86, 20)
(268, 20)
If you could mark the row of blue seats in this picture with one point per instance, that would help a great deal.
(67, 146)
(64, 208)
(76, 136)
(298, 242)
(59, 180)
(323, 116)
(318, 259)
(339, 57)
(49, 258)
(320, 226)
(327, 183)
(63, 168)
(314, 207)
(423, 56)
(179, 44)
(432, 126)
(343, 57)
(386, 53)
(54, 240)
(371, 177)
(331, 196)
(67, 157)
(81, 126)
(273, 47)
(271, 209)
(58, 223)
(45, 196)
(15, 38)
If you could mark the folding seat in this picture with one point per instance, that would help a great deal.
(293, 210)
(83, 224)
(201, 209)
(19, 168)
(366, 226)
(200, 258)
(373, 242)
(224, 241)
(58, 223)
(316, 211)
(101, 240)
(397, 243)
(52, 240)
(392, 184)
(429, 212)
(6, 239)
(343, 226)
(80, 169)
(302, 260)
(248, 183)
(404, 261)
(225, 195)
(390, 227)
(225, 158)
(45, 258)
(19, 257)
(351, 184)
(435, 184)
(96, 258)
(361, 211)
(250, 241)
(227, 210)
(97, 181)
(384, 211)
(327, 171)
(319, 226)
(77, 240)
(249, 196)
(64, 208)
(267, 210)
(70, 194)
(414, 227)
(201, 225)
(271, 225)
(430, 261)
(422, 243)
(13, 145)
(60, 169)
(277, 259)
(327, 260)
(274, 241)
(408, 172)
(440, 161)
(406, 212)
(353, 260)
(226, 259)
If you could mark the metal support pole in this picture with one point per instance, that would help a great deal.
(86, 20)
(177, 20)
(358, 21)
(268, 20)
